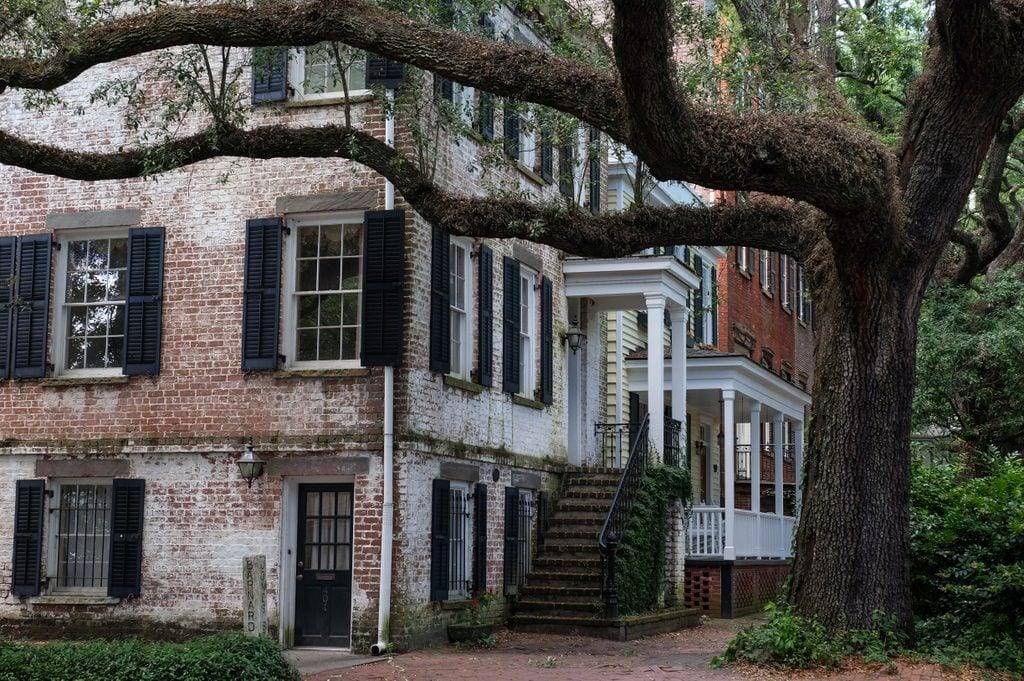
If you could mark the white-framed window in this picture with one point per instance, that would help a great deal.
(461, 296)
(79, 530)
(766, 271)
(323, 262)
(784, 281)
(314, 73)
(460, 541)
(528, 141)
(527, 330)
(803, 303)
(743, 258)
(90, 288)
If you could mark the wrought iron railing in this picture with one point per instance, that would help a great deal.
(617, 440)
(618, 514)
(673, 452)
(743, 462)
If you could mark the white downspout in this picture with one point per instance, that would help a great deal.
(388, 512)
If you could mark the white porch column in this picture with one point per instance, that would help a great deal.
(779, 431)
(755, 470)
(729, 456)
(798, 462)
(679, 323)
(656, 371)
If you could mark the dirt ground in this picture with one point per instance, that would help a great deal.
(679, 656)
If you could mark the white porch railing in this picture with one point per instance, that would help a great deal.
(758, 535)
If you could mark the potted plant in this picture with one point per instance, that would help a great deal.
(479, 625)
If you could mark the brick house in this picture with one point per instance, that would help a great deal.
(406, 390)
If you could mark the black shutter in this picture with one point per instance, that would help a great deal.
(485, 121)
(511, 560)
(635, 418)
(144, 302)
(440, 302)
(698, 302)
(510, 327)
(383, 288)
(565, 170)
(689, 437)
(269, 74)
(714, 306)
(546, 342)
(261, 300)
(8, 251)
(510, 142)
(384, 72)
(485, 335)
(32, 293)
(440, 520)
(444, 88)
(480, 537)
(547, 155)
(595, 170)
(29, 507)
(125, 577)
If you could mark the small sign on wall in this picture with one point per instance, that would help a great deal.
(254, 595)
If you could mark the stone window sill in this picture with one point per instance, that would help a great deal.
(286, 374)
(462, 384)
(73, 599)
(531, 175)
(328, 101)
(527, 402)
(73, 381)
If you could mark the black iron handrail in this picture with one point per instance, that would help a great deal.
(618, 514)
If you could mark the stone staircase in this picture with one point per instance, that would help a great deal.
(562, 594)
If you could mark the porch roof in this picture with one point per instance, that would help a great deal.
(624, 283)
(709, 371)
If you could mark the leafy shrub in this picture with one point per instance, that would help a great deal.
(967, 562)
(640, 567)
(790, 641)
(210, 658)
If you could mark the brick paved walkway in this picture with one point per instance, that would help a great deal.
(682, 656)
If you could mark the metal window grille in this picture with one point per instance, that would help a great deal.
(83, 536)
(458, 543)
(524, 540)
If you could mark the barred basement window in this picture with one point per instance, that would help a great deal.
(460, 543)
(82, 535)
(524, 540)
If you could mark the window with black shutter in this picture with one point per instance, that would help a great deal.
(383, 288)
(144, 305)
(485, 116)
(480, 537)
(698, 303)
(485, 334)
(8, 252)
(511, 554)
(546, 341)
(440, 301)
(547, 155)
(384, 72)
(29, 505)
(594, 171)
(714, 306)
(261, 299)
(126, 524)
(440, 517)
(32, 308)
(269, 74)
(510, 140)
(444, 89)
(511, 326)
(566, 161)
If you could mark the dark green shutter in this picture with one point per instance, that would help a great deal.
(8, 251)
(269, 74)
(444, 89)
(32, 293)
(595, 170)
(565, 170)
(510, 327)
(29, 509)
(480, 537)
(384, 72)
(547, 339)
(510, 141)
(440, 302)
(547, 155)
(125, 576)
(383, 288)
(485, 119)
(511, 558)
(485, 334)
(144, 301)
(714, 306)
(440, 519)
(261, 301)
(698, 303)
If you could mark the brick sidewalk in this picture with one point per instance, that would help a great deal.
(681, 656)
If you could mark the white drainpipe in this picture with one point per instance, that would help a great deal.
(388, 512)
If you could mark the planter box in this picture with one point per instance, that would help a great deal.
(468, 633)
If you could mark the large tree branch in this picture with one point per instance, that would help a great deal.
(823, 162)
(775, 227)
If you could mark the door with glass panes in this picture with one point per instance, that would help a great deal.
(323, 603)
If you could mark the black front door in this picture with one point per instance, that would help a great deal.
(323, 602)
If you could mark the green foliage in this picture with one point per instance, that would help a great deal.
(640, 567)
(970, 362)
(211, 658)
(967, 553)
(790, 641)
